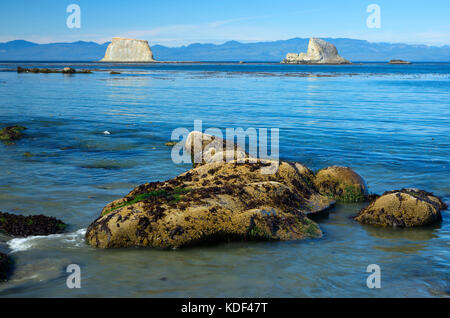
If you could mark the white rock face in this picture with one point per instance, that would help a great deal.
(319, 52)
(128, 50)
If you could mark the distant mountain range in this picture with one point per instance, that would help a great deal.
(275, 51)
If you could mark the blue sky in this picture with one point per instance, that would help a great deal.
(180, 22)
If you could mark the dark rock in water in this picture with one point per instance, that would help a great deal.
(342, 184)
(114, 73)
(11, 133)
(19, 225)
(403, 208)
(5, 266)
(68, 70)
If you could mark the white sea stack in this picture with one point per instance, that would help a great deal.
(319, 52)
(128, 50)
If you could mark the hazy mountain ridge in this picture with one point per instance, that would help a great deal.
(354, 50)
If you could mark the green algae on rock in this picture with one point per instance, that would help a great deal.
(12, 133)
(403, 208)
(19, 225)
(342, 184)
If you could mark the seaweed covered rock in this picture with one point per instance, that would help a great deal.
(341, 183)
(11, 133)
(5, 266)
(19, 225)
(403, 208)
(217, 201)
(319, 52)
(399, 62)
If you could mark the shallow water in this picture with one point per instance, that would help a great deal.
(391, 123)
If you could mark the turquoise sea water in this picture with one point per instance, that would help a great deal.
(390, 123)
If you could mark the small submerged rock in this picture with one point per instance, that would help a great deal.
(342, 184)
(403, 208)
(12, 133)
(19, 225)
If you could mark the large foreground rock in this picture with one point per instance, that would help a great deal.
(319, 52)
(216, 201)
(19, 225)
(403, 208)
(128, 50)
(342, 184)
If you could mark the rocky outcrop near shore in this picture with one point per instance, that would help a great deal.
(319, 52)
(403, 208)
(12, 133)
(128, 50)
(22, 226)
(213, 202)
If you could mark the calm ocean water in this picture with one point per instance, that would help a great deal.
(391, 123)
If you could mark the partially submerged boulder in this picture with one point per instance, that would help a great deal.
(19, 225)
(216, 201)
(319, 52)
(68, 70)
(5, 266)
(128, 50)
(12, 133)
(403, 208)
(341, 183)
